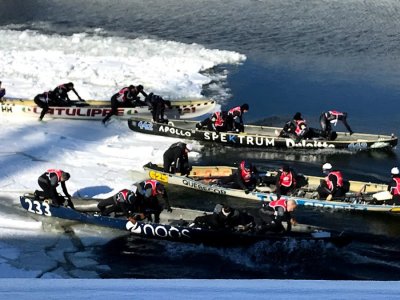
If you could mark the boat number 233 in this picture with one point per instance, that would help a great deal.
(40, 208)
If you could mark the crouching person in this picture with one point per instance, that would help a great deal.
(273, 213)
(225, 217)
(49, 182)
(152, 197)
(123, 202)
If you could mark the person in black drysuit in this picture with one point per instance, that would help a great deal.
(225, 217)
(152, 198)
(124, 201)
(49, 182)
(126, 97)
(273, 213)
(60, 93)
(216, 122)
(44, 101)
(332, 117)
(296, 129)
(158, 105)
(176, 158)
(245, 178)
(234, 119)
(2, 91)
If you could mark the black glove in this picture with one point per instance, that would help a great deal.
(169, 209)
(246, 191)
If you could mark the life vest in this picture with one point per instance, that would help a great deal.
(153, 184)
(298, 129)
(54, 171)
(333, 116)
(121, 94)
(278, 203)
(395, 190)
(219, 119)
(246, 175)
(234, 110)
(339, 177)
(286, 179)
(123, 196)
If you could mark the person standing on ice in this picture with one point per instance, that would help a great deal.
(44, 101)
(176, 158)
(61, 94)
(49, 182)
(2, 91)
(158, 105)
(126, 97)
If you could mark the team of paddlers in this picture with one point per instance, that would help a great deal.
(125, 97)
(296, 129)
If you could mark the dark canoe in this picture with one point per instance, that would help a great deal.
(262, 137)
(170, 228)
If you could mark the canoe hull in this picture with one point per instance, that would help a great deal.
(260, 137)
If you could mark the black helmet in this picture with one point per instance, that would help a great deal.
(69, 84)
(297, 116)
(244, 107)
(285, 168)
(131, 87)
(139, 87)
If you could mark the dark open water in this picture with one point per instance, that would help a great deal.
(306, 56)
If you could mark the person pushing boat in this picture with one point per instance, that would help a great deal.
(49, 182)
(234, 119)
(332, 117)
(124, 201)
(61, 94)
(158, 105)
(275, 212)
(152, 197)
(44, 101)
(2, 91)
(225, 217)
(126, 97)
(176, 158)
(216, 122)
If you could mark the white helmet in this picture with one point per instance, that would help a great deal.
(327, 166)
(189, 147)
(395, 171)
